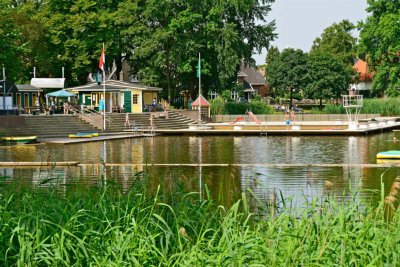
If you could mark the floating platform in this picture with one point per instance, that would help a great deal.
(314, 128)
(391, 154)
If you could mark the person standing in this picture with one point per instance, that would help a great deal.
(52, 106)
(101, 105)
(127, 122)
(287, 120)
(292, 116)
(66, 107)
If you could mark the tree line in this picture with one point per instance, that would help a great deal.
(326, 71)
(160, 39)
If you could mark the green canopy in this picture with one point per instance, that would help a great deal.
(61, 93)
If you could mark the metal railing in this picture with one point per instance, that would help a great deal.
(91, 116)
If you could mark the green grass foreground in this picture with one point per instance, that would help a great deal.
(94, 227)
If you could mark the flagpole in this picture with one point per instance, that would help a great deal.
(104, 96)
(199, 70)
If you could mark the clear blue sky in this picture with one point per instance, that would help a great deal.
(299, 22)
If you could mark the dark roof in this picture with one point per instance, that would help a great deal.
(9, 87)
(247, 87)
(112, 85)
(241, 74)
(28, 88)
(253, 76)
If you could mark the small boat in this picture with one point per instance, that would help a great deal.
(83, 135)
(391, 154)
(14, 140)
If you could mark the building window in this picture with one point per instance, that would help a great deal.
(234, 95)
(213, 95)
(135, 99)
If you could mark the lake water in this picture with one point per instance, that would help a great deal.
(226, 165)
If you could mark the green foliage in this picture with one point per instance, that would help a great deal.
(286, 73)
(161, 39)
(383, 106)
(337, 39)
(327, 77)
(272, 55)
(226, 95)
(10, 47)
(380, 45)
(258, 107)
(218, 106)
(96, 227)
(167, 36)
(333, 109)
(257, 98)
(236, 108)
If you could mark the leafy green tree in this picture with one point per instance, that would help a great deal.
(77, 30)
(172, 33)
(286, 73)
(380, 45)
(9, 48)
(337, 39)
(273, 54)
(327, 77)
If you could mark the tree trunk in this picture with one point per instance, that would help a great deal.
(320, 103)
(291, 98)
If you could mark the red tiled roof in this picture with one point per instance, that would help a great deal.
(203, 103)
(362, 69)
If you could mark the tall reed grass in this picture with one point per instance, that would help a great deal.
(382, 106)
(87, 226)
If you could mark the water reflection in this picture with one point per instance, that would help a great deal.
(131, 157)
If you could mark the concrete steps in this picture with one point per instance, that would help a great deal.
(142, 121)
(46, 126)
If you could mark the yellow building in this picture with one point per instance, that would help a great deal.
(119, 96)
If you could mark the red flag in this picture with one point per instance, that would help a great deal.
(102, 60)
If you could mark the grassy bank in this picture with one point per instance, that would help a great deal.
(91, 226)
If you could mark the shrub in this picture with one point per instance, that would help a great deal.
(260, 108)
(383, 106)
(333, 109)
(217, 106)
(234, 108)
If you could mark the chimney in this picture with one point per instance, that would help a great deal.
(121, 76)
